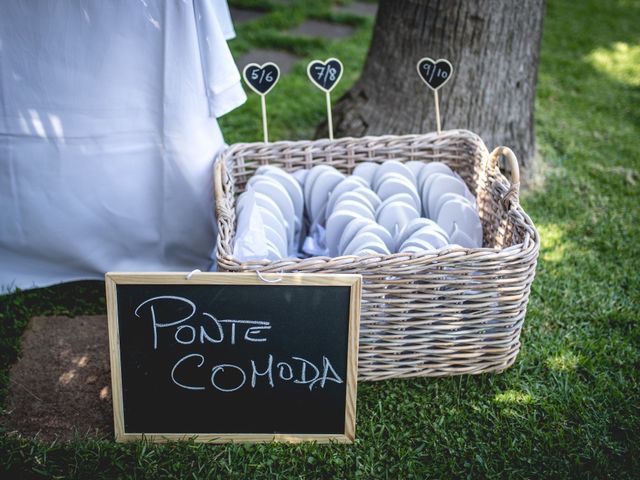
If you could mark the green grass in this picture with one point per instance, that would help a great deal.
(294, 107)
(569, 407)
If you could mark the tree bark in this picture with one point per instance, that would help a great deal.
(494, 47)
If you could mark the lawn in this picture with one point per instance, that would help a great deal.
(570, 405)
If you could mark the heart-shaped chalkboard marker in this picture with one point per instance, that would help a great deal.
(325, 75)
(434, 73)
(261, 78)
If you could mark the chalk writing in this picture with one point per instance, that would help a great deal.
(185, 326)
(325, 75)
(435, 73)
(261, 78)
(224, 377)
(252, 328)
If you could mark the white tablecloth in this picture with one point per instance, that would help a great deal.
(108, 133)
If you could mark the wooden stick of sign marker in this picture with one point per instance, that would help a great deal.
(435, 73)
(326, 75)
(261, 79)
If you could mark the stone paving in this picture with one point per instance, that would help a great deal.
(359, 8)
(284, 60)
(308, 29)
(318, 28)
(244, 15)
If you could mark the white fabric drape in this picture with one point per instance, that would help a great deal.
(108, 133)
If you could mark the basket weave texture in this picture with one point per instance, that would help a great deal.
(449, 312)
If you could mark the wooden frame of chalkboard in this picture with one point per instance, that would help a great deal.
(264, 390)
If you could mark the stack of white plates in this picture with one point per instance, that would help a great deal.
(381, 209)
(278, 199)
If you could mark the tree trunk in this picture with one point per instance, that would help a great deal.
(494, 48)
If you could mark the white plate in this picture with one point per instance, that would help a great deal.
(291, 186)
(354, 206)
(398, 197)
(371, 248)
(416, 167)
(366, 171)
(269, 219)
(269, 205)
(366, 240)
(300, 176)
(454, 214)
(467, 193)
(392, 166)
(336, 224)
(272, 190)
(272, 252)
(370, 195)
(320, 192)
(425, 188)
(417, 242)
(432, 236)
(357, 197)
(367, 251)
(364, 195)
(415, 225)
(395, 215)
(436, 186)
(458, 237)
(382, 233)
(349, 184)
(395, 184)
(350, 231)
(275, 238)
(310, 179)
(412, 249)
(270, 187)
(440, 187)
(244, 198)
(432, 168)
(450, 196)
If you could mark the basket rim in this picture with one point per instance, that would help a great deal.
(336, 142)
(451, 254)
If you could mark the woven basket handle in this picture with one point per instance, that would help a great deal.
(513, 194)
(225, 215)
(217, 184)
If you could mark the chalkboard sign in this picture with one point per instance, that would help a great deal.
(435, 73)
(325, 75)
(261, 78)
(224, 357)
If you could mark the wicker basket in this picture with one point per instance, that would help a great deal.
(456, 311)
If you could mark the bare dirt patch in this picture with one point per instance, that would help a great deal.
(61, 385)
